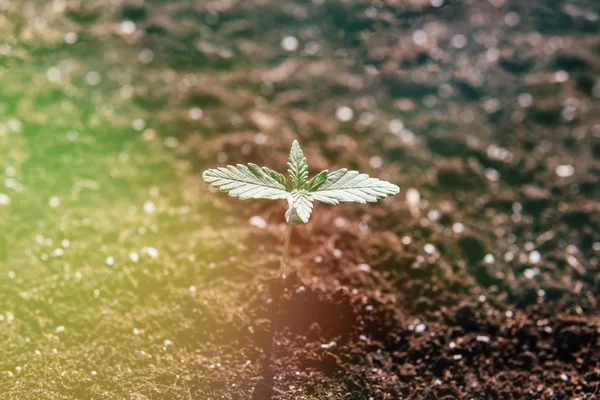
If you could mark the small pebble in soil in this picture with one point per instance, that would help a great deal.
(482, 298)
(150, 251)
(4, 199)
(289, 43)
(434, 215)
(71, 37)
(192, 289)
(339, 222)
(145, 56)
(376, 162)
(344, 114)
(135, 331)
(517, 207)
(364, 267)
(561, 76)
(535, 257)
(525, 100)
(110, 260)
(53, 74)
(138, 124)
(318, 259)
(413, 198)
(531, 273)
(452, 345)
(59, 329)
(429, 248)
(53, 202)
(483, 338)
(337, 253)
(457, 357)
(329, 345)
(260, 138)
(489, 258)
(406, 240)
(93, 373)
(572, 249)
(509, 314)
(172, 142)
(258, 221)
(564, 170)
(127, 27)
(396, 126)
(149, 207)
(196, 113)
(420, 328)
(419, 37)
(458, 227)
(367, 118)
(492, 175)
(14, 125)
(512, 19)
(458, 41)
(134, 257)
(564, 377)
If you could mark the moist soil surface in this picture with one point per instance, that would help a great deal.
(123, 276)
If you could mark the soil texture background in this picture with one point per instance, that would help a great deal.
(123, 276)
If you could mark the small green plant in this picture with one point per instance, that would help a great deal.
(254, 182)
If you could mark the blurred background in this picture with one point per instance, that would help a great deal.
(123, 277)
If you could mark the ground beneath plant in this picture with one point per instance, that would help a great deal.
(122, 276)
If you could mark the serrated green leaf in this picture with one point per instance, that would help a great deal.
(316, 181)
(297, 166)
(278, 177)
(352, 186)
(246, 182)
(301, 205)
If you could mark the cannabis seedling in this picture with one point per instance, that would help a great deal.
(254, 182)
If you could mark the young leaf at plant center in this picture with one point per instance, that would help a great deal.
(297, 166)
(316, 181)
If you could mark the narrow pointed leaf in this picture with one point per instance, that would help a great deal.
(352, 186)
(316, 181)
(246, 182)
(297, 166)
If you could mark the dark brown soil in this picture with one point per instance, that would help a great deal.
(486, 288)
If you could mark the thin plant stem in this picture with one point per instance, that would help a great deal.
(286, 249)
